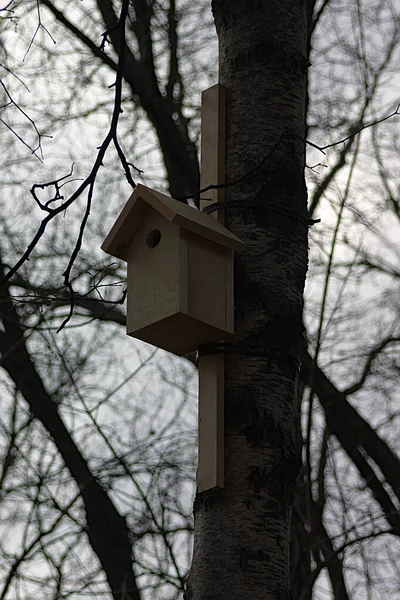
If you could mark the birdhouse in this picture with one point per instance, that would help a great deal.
(180, 271)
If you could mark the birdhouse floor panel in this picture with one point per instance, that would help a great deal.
(179, 334)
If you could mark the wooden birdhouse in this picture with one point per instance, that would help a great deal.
(180, 271)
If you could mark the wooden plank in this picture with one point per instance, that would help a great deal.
(153, 280)
(207, 281)
(213, 146)
(229, 301)
(178, 333)
(190, 218)
(206, 227)
(210, 472)
(125, 227)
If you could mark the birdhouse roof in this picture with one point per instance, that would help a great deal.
(187, 217)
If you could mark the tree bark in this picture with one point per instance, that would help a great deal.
(242, 533)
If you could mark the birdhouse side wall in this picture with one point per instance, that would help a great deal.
(208, 281)
(154, 273)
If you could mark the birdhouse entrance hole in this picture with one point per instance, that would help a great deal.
(153, 238)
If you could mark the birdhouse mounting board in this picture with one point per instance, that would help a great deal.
(180, 279)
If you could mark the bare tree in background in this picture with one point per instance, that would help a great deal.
(82, 429)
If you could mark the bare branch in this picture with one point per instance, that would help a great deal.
(323, 148)
(38, 28)
(88, 183)
(39, 135)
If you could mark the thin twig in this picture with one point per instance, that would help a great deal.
(31, 121)
(323, 148)
(218, 186)
(38, 28)
(7, 7)
(88, 182)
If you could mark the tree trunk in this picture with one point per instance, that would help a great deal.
(242, 533)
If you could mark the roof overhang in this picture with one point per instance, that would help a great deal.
(138, 208)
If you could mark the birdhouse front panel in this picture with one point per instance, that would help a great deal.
(154, 273)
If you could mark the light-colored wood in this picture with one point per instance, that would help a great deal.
(125, 227)
(136, 211)
(207, 284)
(169, 286)
(184, 273)
(210, 471)
(180, 279)
(190, 218)
(154, 277)
(179, 334)
(229, 303)
(213, 147)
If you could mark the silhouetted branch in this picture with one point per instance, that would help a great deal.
(88, 183)
(31, 121)
(6, 8)
(372, 356)
(323, 148)
(38, 28)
